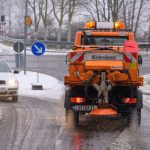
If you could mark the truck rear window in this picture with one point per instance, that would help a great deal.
(104, 41)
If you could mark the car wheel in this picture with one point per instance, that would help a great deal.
(15, 98)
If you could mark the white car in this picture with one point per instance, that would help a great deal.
(8, 82)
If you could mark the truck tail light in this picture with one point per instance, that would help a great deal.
(129, 100)
(78, 100)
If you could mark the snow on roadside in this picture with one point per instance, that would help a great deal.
(49, 53)
(146, 88)
(8, 50)
(53, 89)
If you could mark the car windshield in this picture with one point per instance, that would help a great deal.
(4, 67)
(104, 41)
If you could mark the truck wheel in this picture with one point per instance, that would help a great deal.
(140, 99)
(72, 119)
(135, 115)
(139, 115)
(134, 118)
(67, 104)
(15, 98)
(139, 105)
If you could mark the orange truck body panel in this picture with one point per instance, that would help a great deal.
(80, 71)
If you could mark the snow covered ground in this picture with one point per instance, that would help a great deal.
(53, 89)
(7, 50)
(146, 89)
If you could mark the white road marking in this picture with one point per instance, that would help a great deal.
(39, 49)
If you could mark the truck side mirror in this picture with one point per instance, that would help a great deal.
(140, 60)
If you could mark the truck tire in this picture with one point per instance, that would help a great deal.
(139, 99)
(134, 118)
(139, 105)
(67, 103)
(139, 116)
(72, 119)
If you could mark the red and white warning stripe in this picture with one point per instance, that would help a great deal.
(130, 57)
(79, 57)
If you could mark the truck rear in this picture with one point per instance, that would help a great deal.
(103, 73)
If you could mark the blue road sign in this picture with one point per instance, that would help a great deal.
(38, 48)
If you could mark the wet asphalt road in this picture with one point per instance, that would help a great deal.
(30, 124)
(35, 124)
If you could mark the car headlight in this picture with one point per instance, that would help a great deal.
(12, 82)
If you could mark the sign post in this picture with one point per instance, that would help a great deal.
(38, 49)
(18, 48)
(27, 23)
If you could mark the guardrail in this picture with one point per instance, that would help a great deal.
(56, 44)
(62, 44)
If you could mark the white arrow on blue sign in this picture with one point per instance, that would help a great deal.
(38, 48)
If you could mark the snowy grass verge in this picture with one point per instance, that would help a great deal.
(53, 89)
(8, 50)
(146, 90)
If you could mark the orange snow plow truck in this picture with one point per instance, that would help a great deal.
(103, 78)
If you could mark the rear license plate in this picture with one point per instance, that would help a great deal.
(2, 89)
(84, 107)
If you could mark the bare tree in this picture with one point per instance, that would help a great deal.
(18, 17)
(93, 8)
(59, 10)
(102, 10)
(115, 7)
(142, 3)
(35, 7)
(72, 4)
(133, 11)
(45, 12)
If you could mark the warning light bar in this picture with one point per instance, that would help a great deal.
(104, 25)
(78, 100)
